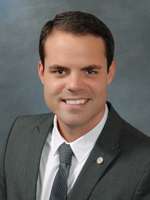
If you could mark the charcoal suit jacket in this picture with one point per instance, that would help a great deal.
(122, 174)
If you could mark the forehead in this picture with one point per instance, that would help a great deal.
(62, 46)
(63, 39)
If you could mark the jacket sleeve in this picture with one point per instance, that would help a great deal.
(3, 191)
(2, 178)
(143, 187)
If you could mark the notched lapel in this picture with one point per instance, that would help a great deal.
(107, 147)
(38, 138)
(92, 173)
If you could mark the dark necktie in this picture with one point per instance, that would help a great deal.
(59, 188)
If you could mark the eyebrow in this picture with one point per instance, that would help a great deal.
(55, 66)
(92, 66)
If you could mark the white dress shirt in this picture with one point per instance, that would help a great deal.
(49, 163)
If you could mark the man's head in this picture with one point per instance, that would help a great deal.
(74, 71)
(78, 23)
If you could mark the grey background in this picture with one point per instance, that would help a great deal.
(20, 25)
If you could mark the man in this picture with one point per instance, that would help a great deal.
(105, 158)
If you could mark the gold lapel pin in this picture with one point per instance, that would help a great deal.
(99, 160)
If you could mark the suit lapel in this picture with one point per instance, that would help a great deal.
(107, 147)
(38, 138)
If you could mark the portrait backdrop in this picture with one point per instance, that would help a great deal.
(20, 25)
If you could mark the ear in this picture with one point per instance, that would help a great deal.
(41, 71)
(111, 72)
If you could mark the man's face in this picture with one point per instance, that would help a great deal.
(75, 79)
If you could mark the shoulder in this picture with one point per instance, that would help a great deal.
(25, 129)
(131, 140)
(134, 148)
(25, 121)
(134, 138)
(33, 118)
(24, 126)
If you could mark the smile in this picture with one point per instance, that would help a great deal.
(75, 101)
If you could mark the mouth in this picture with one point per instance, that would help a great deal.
(81, 101)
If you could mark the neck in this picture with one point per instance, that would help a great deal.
(71, 133)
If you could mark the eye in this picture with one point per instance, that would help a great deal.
(59, 71)
(91, 71)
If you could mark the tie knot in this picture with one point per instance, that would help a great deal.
(65, 154)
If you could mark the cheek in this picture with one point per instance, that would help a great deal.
(53, 87)
(99, 86)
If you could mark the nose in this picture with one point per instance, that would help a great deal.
(75, 83)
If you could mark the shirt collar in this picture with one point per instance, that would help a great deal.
(56, 139)
(83, 145)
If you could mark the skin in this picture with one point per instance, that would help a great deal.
(75, 81)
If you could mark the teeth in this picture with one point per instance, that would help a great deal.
(76, 102)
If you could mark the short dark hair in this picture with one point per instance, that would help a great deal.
(78, 23)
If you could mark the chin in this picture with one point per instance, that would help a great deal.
(71, 121)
